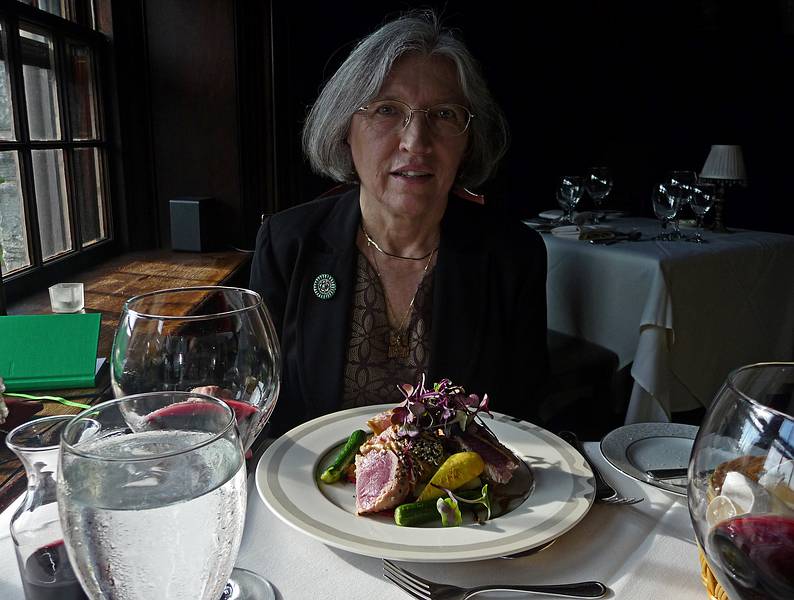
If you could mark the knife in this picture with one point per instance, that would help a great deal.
(661, 474)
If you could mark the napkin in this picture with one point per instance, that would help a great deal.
(584, 232)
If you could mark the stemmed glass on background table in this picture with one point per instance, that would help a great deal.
(569, 192)
(152, 496)
(741, 484)
(218, 341)
(700, 201)
(598, 184)
(680, 185)
(665, 207)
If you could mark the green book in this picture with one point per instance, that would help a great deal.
(44, 352)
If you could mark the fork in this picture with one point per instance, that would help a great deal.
(605, 493)
(422, 589)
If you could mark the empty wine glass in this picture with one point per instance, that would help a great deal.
(598, 184)
(569, 193)
(700, 201)
(665, 207)
(152, 496)
(741, 484)
(214, 340)
(680, 184)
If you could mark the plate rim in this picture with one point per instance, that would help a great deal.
(619, 458)
(574, 508)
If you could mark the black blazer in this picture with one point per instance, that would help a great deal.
(489, 304)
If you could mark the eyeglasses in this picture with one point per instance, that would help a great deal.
(391, 116)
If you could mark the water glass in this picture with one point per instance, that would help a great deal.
(598, 184)
(152, 496)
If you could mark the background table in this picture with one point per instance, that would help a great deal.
(681, 315)
(646, 551)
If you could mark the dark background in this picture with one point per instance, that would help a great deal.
(641, 87)
(211, 96)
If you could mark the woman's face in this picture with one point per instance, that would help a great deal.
(408, 173)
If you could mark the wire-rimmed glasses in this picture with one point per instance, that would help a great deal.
(391, 116)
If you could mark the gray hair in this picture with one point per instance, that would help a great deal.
(360, 78)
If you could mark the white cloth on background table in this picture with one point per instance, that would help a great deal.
(682, 314)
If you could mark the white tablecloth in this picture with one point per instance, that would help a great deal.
(644, 551)
(682, 314)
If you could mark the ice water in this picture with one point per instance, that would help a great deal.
(169, 527)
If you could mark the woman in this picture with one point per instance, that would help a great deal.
(399, 276)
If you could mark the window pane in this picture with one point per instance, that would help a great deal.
(82, 101)
(87, 177)
(13, 233)
(41, 94)
(51, 6)
(51, 202)
(6, 113)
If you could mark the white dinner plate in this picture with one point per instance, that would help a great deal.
(288, 483)
(637, 448)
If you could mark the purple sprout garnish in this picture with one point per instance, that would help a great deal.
(449, 507)
(446, 406)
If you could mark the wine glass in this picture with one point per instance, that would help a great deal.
(214, 340)
(569, 193)
(741, 483)
(665, 207)
(700, 201)
(680, 185)
(598, 184)
(152, 496)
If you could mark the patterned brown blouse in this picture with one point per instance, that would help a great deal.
(371, 377)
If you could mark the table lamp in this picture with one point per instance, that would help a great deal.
(724, 166)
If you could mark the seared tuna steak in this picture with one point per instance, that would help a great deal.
(383, 480)
(499, 461)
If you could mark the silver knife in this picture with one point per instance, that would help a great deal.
(661, 474)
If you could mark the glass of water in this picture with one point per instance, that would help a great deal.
(152, 496)
(598, 184)
(665, 207)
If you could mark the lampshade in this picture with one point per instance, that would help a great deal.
(724, 162)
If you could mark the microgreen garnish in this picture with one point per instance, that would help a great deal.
(444, 406)
(446, 505)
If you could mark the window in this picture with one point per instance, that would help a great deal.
(54, 200)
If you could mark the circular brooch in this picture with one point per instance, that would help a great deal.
(324, 286)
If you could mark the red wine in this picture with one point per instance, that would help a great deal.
(753, 556)
(48, 575)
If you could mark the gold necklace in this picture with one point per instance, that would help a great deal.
(398, 339)
(371, 242)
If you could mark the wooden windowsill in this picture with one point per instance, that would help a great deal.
(107, 287)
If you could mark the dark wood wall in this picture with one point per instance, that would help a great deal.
(194, 117)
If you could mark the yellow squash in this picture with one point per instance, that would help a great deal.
(453, 473)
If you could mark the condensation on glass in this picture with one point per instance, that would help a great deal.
(13, 233)
(51, 202)
(41, 92)
(88, 187)
(6, 108)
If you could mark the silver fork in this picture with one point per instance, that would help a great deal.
(605, 493)
(422, 589)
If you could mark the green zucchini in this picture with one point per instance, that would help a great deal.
(419, 513)
(346, 455)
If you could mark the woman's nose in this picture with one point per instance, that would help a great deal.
(417, 137)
